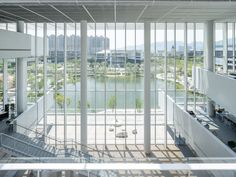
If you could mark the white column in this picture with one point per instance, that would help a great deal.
(21, 80)
(225, 47)
(83, 85)
(209, 56)
(147, 76)
(165, 78)
(208, 45)
(5, 82)
(185, 66)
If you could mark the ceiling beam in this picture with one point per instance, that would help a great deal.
(36, 13)
(140, 15)
(15, 16)
(167, 13)
(62, 13)
(89, 13)
(6, 18)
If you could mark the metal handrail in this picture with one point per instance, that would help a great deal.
(61, 141)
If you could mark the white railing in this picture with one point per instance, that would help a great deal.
(120, 166)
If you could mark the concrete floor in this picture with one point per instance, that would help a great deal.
(160, 154)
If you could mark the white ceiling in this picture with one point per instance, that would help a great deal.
(116, 10)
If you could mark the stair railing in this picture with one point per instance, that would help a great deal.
(70, 143)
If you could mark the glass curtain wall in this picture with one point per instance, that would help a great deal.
(224, 35)
(219, 47)
(199, 60)
(190, 67)
(115, 80)
(31, 65)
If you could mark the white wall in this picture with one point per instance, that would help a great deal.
(201, 140)
(14, 45)
(34, 113)
(220, 88)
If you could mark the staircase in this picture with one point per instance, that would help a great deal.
(21, 145)
(30, 144)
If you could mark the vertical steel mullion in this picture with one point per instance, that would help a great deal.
(95, 99)
(75, 77)
(175, 62)
(174, 80)
(115, 83)
(225, 48)
(55, 84)
(36, 64)
(194, 64)
(8, 28)
(155, 82)
(45, 80)
(65, 87)
(214, 47)
(105, 86)
(36, 69)
(135, 82)
(165, 96)
(5, 82)
(125, 84)
(185, 66)
(233, 58)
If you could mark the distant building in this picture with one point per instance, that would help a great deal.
(97, 43)
(119, 57)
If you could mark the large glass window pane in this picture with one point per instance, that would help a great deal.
(179, 63)
(219, 61)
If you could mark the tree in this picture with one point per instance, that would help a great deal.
(112, 102)
(60, 100)
(138, 104)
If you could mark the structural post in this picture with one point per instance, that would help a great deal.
(225, 47)
(21, 80)
(208, 58)
(147, 76)
(83, 85)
